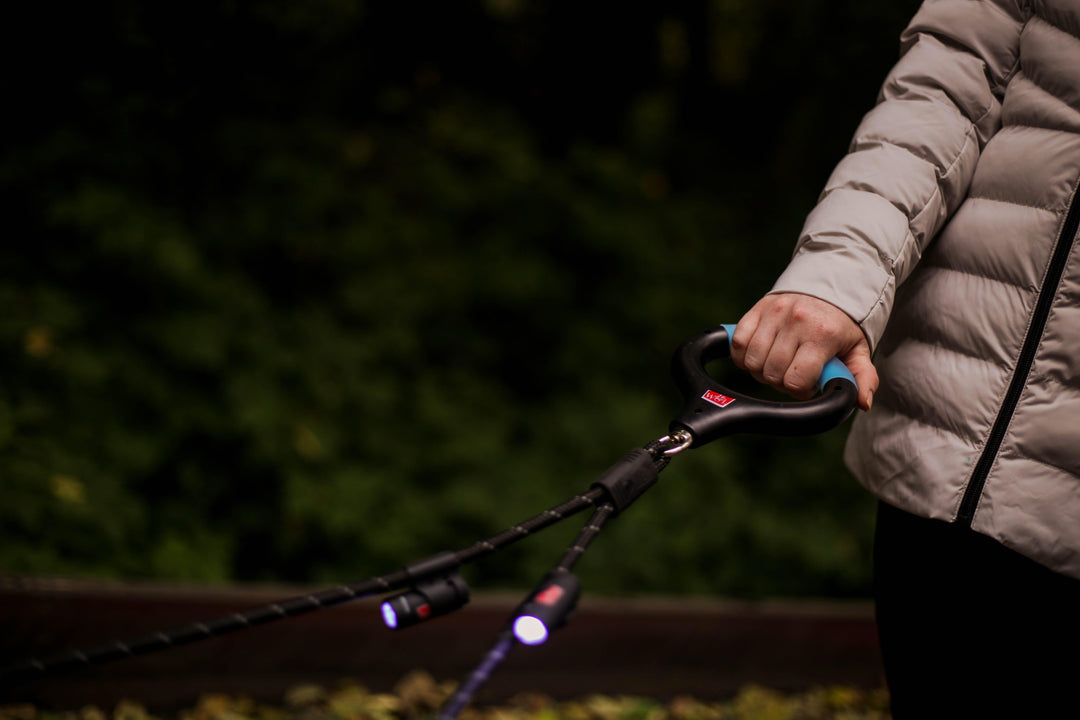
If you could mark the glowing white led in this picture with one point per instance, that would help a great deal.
(530, 630)
(389, 616)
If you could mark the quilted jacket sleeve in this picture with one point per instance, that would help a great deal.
(911, 160)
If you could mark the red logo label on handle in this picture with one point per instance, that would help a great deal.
(717, 399)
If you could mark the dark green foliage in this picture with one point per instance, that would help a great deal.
(308, 291)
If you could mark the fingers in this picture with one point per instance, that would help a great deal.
(754, 346)
(800, 379)
(766, 344)
(785, 340)
(744, 333)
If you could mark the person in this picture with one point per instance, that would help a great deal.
(941, 264)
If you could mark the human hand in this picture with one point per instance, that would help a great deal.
(785, 340)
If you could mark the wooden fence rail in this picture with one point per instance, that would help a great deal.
(655, 647)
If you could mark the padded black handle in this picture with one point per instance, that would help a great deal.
(712, 411)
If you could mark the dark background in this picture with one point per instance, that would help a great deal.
(302, 292)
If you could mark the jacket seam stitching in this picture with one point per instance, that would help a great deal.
(955, 351)
(977, 442)
(969, 133)
(1033, 206)
(1007, 77)
(1046, 21)
(1021, 5)
(938, 194)
(940, 426)
(974, 122)
(880, 300)
(1020, 455)
(926, 207)
(1028, 77)
(929, 264)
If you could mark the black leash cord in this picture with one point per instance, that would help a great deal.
(186, 634)
(479, 676)
(204, 630)
(588, 533)
(506, 641)
(538, 522)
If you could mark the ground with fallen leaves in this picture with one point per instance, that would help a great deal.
(418, 697)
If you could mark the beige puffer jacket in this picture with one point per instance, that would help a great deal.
(949, 232)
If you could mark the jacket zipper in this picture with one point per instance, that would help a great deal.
(1023, 365)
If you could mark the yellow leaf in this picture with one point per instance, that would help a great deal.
(306, 442)
(38, 342)
(68, 488)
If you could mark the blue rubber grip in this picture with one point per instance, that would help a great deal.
(832, 370)
(835, 369)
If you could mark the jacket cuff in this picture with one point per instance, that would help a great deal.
(852, 247)
(864, 292)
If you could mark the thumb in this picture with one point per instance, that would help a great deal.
(866, 377)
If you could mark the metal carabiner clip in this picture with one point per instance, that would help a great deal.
(670, 445)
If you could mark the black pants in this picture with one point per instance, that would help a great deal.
(970, 629)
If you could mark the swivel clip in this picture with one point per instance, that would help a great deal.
(674, 443)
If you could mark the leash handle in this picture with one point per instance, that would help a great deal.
(711, 411)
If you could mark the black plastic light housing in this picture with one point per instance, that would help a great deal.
(547, 609)
(427, 600)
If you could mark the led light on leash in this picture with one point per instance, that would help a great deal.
(530, 630)
(437, 589)
(547, 609)
(427, 600)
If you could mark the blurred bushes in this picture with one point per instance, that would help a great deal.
(307, 293)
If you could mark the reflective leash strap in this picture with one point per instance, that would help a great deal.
(588, 533)
(203, 630)
(13, 674)
(479, 676)
(509, 637)
(534, 524)
(550, 604)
